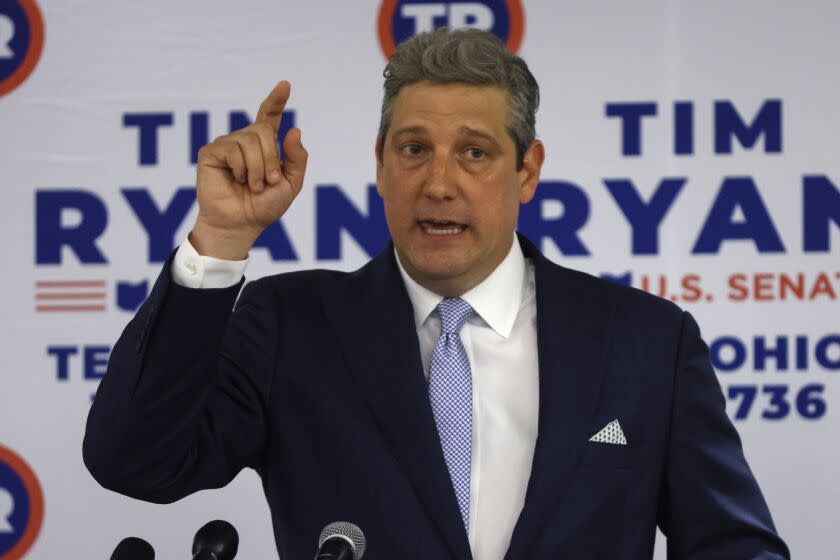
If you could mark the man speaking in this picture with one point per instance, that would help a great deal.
(459, 396)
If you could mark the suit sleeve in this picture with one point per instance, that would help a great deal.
(182, 406)
(713, 507)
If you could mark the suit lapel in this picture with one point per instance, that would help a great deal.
(573, 321)
(373, 319)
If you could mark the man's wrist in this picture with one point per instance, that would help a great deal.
(221, 244)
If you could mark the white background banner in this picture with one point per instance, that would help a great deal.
(692, 151)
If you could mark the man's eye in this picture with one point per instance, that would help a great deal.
(412, 149)
(475, 153)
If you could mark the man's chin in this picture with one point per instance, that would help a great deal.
(438, 274)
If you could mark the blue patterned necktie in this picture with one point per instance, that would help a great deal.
(450, 392)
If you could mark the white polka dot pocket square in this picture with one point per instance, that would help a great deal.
(611, 433)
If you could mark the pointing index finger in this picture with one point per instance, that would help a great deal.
(271, 109)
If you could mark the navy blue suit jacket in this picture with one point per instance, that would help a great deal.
(315, 381)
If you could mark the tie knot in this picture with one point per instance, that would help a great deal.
(454, 312)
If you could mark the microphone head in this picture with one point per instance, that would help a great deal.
(347, 531)
(133, 548)
(217, 538)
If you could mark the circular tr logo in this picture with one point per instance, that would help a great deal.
(21, 506)
(21, 42)
(402, 19)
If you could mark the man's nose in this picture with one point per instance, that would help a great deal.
(440, 182)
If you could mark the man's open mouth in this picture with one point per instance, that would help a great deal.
(442, 227)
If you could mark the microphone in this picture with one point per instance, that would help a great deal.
(217, 540)
(341, 541)
(133, 548)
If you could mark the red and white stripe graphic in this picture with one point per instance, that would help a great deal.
(70, 296)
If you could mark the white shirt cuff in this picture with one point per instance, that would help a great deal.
(191, 270)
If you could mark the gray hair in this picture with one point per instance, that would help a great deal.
(468, 56)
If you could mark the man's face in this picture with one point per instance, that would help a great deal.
(449, 182)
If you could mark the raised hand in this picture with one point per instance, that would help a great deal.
(242, 185)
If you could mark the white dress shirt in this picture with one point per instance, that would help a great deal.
(501, 343)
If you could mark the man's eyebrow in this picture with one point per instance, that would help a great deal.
(463, 130)
(467, 131)
(417, 129)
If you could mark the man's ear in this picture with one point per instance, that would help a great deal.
(377, 149)
(529, 175)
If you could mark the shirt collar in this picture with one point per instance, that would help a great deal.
(496, 300)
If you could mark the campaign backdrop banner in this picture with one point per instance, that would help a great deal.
(692, 151)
